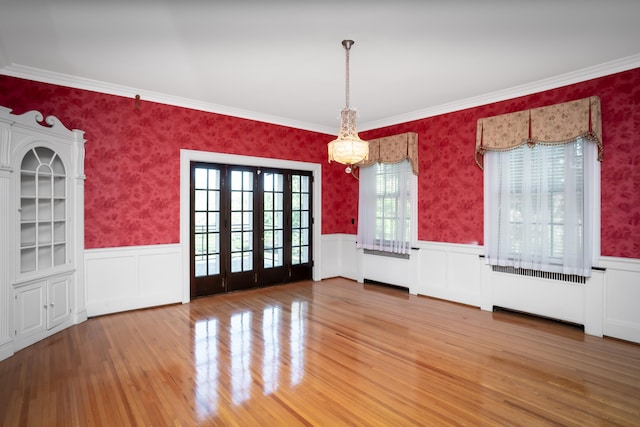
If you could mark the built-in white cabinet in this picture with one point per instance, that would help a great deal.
(42, 216)
(40, 307)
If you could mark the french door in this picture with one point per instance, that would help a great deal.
(250, 227)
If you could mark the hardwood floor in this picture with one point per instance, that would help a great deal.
(329, 353)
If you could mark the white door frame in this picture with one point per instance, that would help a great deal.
(188, 156)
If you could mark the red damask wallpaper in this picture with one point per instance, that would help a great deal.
(451, 186)
(132, 161)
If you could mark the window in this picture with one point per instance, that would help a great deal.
(386, 207)
(540, 207)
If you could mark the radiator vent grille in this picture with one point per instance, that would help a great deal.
(573, 278)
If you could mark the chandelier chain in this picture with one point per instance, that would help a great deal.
(347, 76)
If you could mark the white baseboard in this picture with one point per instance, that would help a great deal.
(6, 350)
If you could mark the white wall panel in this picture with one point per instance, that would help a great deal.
(622, 298)
(434, 271)
(331, 255)
(350, 258)
(450, 271)
(128, 278)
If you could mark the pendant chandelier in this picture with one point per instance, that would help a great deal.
(348, 148)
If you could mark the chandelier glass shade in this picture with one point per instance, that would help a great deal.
(348, 148)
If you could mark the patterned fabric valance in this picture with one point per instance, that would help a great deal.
(555, 124)
(393, 149)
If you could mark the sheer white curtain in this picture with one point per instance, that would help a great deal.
(384, 207)
(540, 208)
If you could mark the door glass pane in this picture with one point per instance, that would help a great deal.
(236, 200)
(236, 221)
(295, 255)
(206, 225)
(236, 241)
(247, 200)
(236, 262)
(268, 258)
(278, 182)
(247, 221)
(214, 243)
(200, 222)
(268, 182)
(241, 221)
(247, 183)
(247, 261)
(214, 265)
(278, 258)
(201, 266)
(277, 202)
(200, 247)
(273, 194)
(300, 212)
(214, 200)
(247, 241)
(268, 239)
(200, 178)
(214, 178)
(268, 220)
(236, 180)
(214, 221)
(200, 200)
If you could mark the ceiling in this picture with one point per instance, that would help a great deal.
(282, 61)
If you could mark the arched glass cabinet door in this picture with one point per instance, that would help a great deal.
(43, 211)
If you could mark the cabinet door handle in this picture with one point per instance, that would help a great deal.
(51, 305)
(45, 307)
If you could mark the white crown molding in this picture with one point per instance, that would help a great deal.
(30, 73)
(619, 65)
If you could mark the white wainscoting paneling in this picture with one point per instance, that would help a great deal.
(340, 256)
(622, 298)
(132, 277)
(442, 270)
(450, 271)
(127, 278)
(331, 256)
(607, 304)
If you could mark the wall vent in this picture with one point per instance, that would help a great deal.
(572, 278)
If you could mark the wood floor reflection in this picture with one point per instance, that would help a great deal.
(329, 353)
